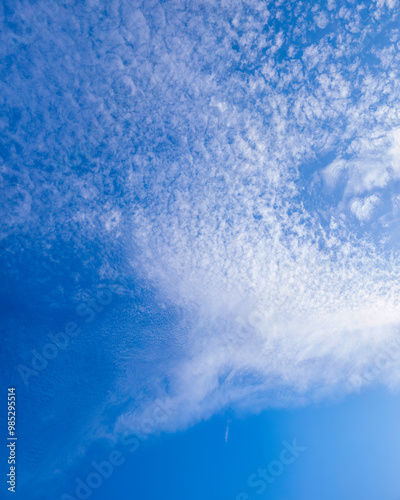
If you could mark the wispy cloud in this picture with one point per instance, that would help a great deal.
(227, 432)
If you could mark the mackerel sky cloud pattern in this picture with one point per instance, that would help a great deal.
(240, 158)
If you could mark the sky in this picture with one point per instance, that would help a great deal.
(199, 248)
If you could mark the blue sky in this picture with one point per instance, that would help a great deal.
(199, 245)
(339, 459)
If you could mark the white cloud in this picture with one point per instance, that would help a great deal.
(333, 172)
(323, 311)
(374, 166)
(363, 208)
(321, 19)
